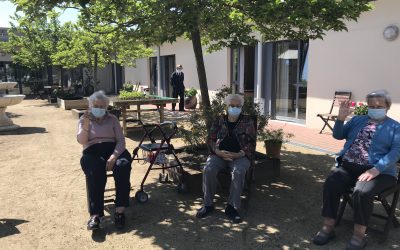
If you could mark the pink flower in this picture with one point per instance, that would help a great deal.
(360, 103)
(353, 104)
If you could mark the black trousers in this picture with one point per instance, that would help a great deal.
(93, 164)
(181, 93)
(343, 179)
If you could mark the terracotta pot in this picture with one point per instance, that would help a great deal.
(190, 102)
(273, 149)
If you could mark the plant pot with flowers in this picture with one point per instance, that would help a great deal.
(273, 140)
(190, 98)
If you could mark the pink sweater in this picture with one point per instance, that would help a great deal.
(108, 131)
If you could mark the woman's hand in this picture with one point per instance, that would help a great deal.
(87, 117)
(344, 110)
(111, 162)
(224, 155)
(369, 175)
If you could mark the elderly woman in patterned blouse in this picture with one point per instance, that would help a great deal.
(367, 163)
(103, 143)
(232, 142)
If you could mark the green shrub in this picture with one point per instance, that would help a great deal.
(195, 135)
(127, 87)
(361, 109)
(275, 135)
(129, 95)
(190, 92)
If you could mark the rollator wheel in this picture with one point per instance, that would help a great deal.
(182, 188)
(141, 196)
(163, 178)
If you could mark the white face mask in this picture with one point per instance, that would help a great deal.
(179, 70)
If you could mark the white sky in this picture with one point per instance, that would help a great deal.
(7, 9)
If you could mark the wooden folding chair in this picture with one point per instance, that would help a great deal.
(390, 208)
(340, 96)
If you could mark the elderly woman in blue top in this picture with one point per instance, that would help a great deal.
(367, 162)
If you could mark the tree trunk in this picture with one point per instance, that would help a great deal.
(95, 70)
(201, 71)
(49, 75)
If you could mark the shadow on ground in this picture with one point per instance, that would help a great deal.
(25, 131)
(281, 213)
(9, 227)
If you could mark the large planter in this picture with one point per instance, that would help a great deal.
(73, 103)
(190, 102)
(273, 149)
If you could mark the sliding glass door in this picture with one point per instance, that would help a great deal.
(291, 80)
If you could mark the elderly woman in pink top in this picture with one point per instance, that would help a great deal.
(104, 150)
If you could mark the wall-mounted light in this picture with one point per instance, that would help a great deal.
(391, 32)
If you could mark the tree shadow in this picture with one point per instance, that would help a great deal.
(281, 213)
(9, 227)
(12, 115)
(25, 131)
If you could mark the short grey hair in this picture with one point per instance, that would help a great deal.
(382, 93)
(98, 95)
(231, 97)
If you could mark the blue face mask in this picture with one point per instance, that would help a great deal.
(98, 112)
(377, 114)
(234, 111)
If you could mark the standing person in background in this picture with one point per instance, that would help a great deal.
(177, 79)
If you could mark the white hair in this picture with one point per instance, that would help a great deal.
(380, 93)
(231, 97)
(98, 95)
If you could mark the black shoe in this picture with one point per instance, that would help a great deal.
(93, 223)
(119, 220)
(204, 211)
(356, 244)
(233, 214)
(182, 110)
(322, 238)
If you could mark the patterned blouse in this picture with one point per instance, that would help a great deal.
(358, 151)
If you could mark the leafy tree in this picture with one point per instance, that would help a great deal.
(33, 41)
(216, 23)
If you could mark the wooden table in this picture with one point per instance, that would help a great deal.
(158, 101)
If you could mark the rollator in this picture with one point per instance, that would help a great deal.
(160, 155)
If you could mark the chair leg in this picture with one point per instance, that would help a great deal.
(342, 207)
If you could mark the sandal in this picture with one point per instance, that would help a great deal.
(322, 237)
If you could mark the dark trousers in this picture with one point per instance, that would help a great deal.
(181, 93)
(93, 164)
(343, 179)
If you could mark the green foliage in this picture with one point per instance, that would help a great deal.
(275, 135)
(361, 109)
(128, 95)
(190, 92)
(127, 87)
(195, 133)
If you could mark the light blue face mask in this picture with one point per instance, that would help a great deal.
(377, 114)
(234, 111)
(98, 112)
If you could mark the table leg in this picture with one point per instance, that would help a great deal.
(138, 112)
(124, 120)
(161, 110)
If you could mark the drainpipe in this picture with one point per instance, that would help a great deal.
(159, 89)
(259, 70)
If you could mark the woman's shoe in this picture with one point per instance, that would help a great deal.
(204, 211)
(93, 223)
(231, 212)
(356, 244)
(119, 220)
(322, 238)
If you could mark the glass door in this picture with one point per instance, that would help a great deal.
(291, 81)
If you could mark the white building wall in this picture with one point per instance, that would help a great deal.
(216, 65)
(360, 61)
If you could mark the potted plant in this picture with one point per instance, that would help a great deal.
(360, 109)
(190, 98)
(273, 139)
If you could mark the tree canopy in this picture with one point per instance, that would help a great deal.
(214, 23)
